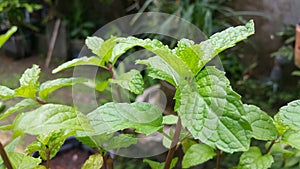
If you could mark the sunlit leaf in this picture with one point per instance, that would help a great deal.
(143, 117)
(49, 86)
(121, 141)
(173, 70)
(48, 142)
(288, 117)
(158, 165)
(95, 161)
(292, 138)
(103, 49)
(6, 93)
(29, 83)
(94, 43)
(93, 60)
(51, 117)
(7, 35)
(213, 112)
(132, 81)
(26, 103)
(19, 160)
(197, 154)
(197, 55)
(253, 159)
(261, 123)
(170, 119)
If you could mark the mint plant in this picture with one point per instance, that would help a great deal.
(210, 117)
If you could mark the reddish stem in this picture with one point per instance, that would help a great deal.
(116, 86)
(219, 156)
(270, 147)
(5, 158)
(174, 143)
(48, 159)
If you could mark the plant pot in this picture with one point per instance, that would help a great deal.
(40, 43)
(75, 47)
(18, 45)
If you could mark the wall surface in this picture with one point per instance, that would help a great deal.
(270, 17)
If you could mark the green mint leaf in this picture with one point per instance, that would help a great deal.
(51, 117)
(19, 160)
(292, 138)
(191, 55)
(167, 139)
(253, 159)
(26, 103)
(95, 161)
(292, 161)
(223, 40)
(124, 44)
(51, 141)
(49, 86)
(175, 68)
(93, 140)
(261, 123)
(160, 69)
(6, 93)
(94, 43)
(101, 86)
(7, 35)
(197, 154)
(13, 144)
(93, 60)
(36, 146)
(213, 112)
(158, 165)
(111, 117)
(107, 141)
(107, 48)
(103, 49)
(170, 119)
(132, 81)
(10, 148)
(187, 143)
(288, 117)
(121, 141)
(29, 83)
(98, 85)
(196, 56)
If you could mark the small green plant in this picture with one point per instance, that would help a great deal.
(211, 119)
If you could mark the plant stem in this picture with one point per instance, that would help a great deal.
(219, 156)
(48, 159)
(40, 101)
(270, 146)
(104, 161)
(111, 72)
(174, 143)
(5, 157)
(110, 162)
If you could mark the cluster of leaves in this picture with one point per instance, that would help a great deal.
(211, 114)
(13, 11)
